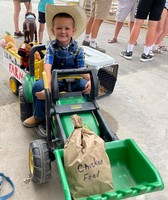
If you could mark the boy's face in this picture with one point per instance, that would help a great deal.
(63, 29)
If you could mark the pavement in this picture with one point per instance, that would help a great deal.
(137, 109)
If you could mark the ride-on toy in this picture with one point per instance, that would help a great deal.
(12, 62)
(104, 65)
(106, 68)
(133, 173)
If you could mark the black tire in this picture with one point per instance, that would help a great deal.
(39, 161)
(25, 107)
(14, 85)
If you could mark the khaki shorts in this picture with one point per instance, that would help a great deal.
(100, 8)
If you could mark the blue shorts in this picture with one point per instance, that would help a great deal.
(153, 8)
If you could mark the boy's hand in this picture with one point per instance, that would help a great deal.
(87, 88)
(40, 95)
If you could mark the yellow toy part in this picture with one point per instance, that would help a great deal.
(11, 46)
(37, 56)
(9, 38)
(8, 42)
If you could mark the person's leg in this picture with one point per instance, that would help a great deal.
(135, 31)
(151, 32)
(17, 8)
(163, 27)
(28, 6)
(101, 12)
(123, 10)
(162, 47)
(86, 40)
(160, 42)
(142, 12)
(95, 28)
(40, 32)
(38, 107)
(89, 25)
(154, 17)
(132, 40)
(131, 24)
(79, 85)
(150, 37)
(117, 30)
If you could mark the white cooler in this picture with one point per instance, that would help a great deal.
(106, 67)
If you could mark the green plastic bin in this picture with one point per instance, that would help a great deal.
(133, 173)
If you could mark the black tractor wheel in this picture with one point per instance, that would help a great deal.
(39, 161)
(14, 85)
(25, 107)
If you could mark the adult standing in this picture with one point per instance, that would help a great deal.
(16, 13)
(124, 9)
(99, 13)
(153, 10)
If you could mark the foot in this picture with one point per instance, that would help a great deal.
(85, 43)
(99, 49)
(114, 40)
(31, 122)
(19, 34)
(126, 55)
(157, 51)
(151, 53)
(145, 58)
(162, 48)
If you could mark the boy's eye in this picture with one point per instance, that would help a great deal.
(59, 28)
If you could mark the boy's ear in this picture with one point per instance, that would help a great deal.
(74, 30)
(52, 30)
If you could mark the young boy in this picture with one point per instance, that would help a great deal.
(41, 17)
(63, 52)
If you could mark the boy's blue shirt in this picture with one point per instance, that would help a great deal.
(64, 58)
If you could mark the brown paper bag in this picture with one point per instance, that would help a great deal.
(86, 163)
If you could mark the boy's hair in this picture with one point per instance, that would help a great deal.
(63, 15)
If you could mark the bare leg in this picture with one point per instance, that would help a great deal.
(163, 28)
(135, 31)
(118, 27)
(95, 27)
(40, 32)
(131, 25)
(151, 33)
(17, 8)
(28, 6)
(89, 25)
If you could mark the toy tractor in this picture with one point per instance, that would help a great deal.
(105, 67)
(133, 173)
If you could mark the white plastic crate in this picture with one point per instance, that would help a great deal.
(106, 67)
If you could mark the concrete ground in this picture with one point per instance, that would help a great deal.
(138, 109)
